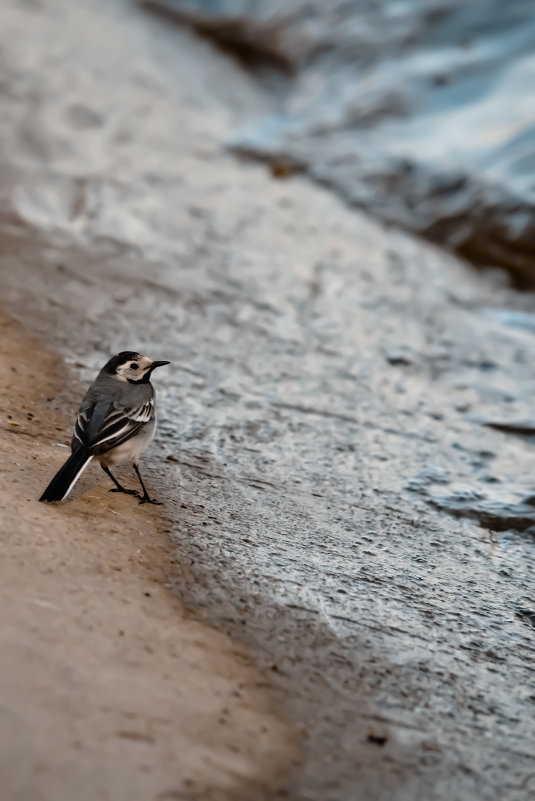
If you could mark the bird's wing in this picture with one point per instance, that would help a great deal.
(101, 426)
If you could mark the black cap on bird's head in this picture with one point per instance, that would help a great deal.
(132, 366)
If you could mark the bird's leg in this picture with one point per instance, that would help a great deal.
(118, 487)
(146, 497)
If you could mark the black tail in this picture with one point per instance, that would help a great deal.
(66, 477)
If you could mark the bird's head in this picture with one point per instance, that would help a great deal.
(132, 367)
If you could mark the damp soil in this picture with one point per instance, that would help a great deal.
(331, 391)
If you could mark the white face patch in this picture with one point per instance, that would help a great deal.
(134, 369)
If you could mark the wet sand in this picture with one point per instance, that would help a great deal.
(331, 380)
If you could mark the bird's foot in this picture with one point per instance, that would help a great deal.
(126, 491)
(147, 499)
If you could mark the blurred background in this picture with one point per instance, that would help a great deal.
(419, 111)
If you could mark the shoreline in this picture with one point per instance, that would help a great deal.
(317, 434)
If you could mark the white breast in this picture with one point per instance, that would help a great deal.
(130, 451)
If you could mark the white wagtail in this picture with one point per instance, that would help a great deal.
(115, 424)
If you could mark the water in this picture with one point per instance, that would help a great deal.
(420, 112)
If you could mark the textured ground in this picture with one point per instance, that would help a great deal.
(109, 689)
(330, 384)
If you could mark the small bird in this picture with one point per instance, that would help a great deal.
(115, 424)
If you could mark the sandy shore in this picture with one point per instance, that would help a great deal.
(109, 689)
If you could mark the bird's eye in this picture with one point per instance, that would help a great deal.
(134, 366)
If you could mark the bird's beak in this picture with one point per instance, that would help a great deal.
(158, 364)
